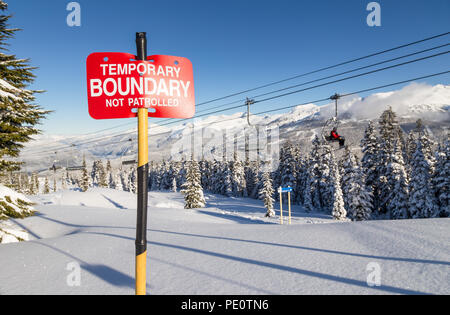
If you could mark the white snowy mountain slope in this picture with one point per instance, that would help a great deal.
(227, 248)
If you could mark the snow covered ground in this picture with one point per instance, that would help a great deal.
(226, 248)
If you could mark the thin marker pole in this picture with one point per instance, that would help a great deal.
(142, 172)
(289, 202)
(281, 207)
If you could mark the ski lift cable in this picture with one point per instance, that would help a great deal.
(362, 91)
(234, 107)
(355, 76)
(326, 68)
(301, 90)
(324, 78)
(315, 86)
(314, 101)
(320, 85)
(350, 71)
(300, 75)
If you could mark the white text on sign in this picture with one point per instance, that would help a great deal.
(143, 79)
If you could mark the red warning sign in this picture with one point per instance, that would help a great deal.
(117, 83)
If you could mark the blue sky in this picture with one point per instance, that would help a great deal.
(233, 45)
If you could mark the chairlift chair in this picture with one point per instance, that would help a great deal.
(332, 124)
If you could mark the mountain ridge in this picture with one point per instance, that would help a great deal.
(431, 103)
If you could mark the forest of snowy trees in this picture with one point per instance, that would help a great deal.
(397, 176)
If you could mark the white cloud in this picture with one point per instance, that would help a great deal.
(416, 99)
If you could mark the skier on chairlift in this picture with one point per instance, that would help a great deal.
(334, 136)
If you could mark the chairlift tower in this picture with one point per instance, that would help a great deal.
(249, 102)
(335, 98)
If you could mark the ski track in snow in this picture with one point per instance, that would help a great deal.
(229, 247)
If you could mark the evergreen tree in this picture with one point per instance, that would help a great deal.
(410, 147)
(313, 190)
(257, 181)
(154, 177)
(357, 197)
(427, 148)
(35, 180)
(108, 167)
(32, 188)
(327, 168)
(287, 167)
(332, 193)
(46, 186)
(165, 176)
(192, 188)
(369, 162)
(302, 175)
(396, 188)
(181, 178)
(124, 180)
(215, 182)
(17, 182)
(102, 175)
(205, 174)
(338, 209)
(307, 197)
(109, 176)
(84, 184)
(227, 183)
(25, 187)
(250, 177)
(132, 180)
(390, 131)
(441, 179)
(238, 183)
(266, 194)
(390, 155)
(118, 181)
(19, 115)
(112, 180)
(94, 174)
(421, 198)
(263, 167)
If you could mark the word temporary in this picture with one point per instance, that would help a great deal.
(117, 83)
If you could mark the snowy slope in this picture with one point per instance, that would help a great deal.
(302, 123)
(226, 248)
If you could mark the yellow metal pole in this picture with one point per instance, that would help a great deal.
(141, 229)
(289, 202)
(281, 207)
(142, 172)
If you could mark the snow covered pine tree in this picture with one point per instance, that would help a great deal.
(192, 188)
(266, 194)
(422, 203)
(441, 179)
(369, 162)
(84, 184)
(18, 114)
(357, 197)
